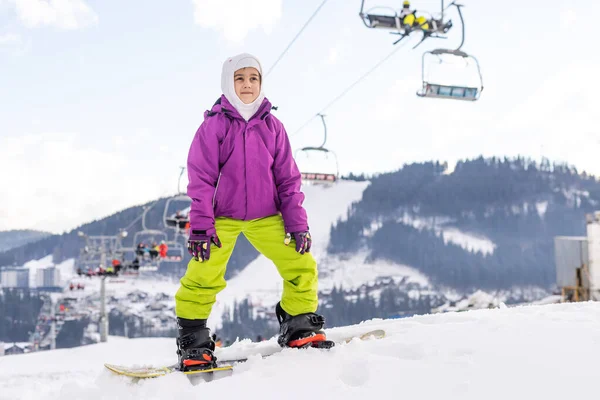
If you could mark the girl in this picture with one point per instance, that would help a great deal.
(243, 179)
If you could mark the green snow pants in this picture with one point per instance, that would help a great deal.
(203, 280)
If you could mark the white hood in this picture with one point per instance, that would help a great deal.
(231, 65)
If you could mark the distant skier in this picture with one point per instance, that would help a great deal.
(243, 178)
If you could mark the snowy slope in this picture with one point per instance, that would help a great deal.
(468, 241)
(515, 353)
(66, 269)
(34, 265)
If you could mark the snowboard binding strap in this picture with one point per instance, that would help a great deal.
(317, 340)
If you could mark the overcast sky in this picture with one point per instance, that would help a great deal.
(99, 100)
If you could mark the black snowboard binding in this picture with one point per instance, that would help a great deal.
(302, 330)
(195, 345)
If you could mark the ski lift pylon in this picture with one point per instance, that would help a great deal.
(314, 176)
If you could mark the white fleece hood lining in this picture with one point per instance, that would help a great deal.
(231, 65)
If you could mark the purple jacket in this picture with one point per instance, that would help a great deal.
(243, 170)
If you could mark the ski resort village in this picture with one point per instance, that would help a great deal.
(274, 199)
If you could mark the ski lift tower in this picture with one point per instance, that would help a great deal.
(95, 251)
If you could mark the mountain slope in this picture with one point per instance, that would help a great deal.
(488, 354)
(488, 224)
(16, 238)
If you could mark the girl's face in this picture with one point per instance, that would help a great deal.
(247, 84)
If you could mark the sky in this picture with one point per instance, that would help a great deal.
(99, 101)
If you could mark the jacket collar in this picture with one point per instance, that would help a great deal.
(223, 106)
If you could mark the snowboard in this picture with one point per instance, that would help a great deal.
(223, 365)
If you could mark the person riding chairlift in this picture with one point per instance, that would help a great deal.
(181, 219)
(141, 249)
(117, 265)
(154, 251)
(409, 19)
(162, 249)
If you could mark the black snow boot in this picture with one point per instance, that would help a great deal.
(195, 345)
(302, 330)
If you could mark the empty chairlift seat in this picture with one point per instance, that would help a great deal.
(449, 92)
(450, 74)
(382, 21)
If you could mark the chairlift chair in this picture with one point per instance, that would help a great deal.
(392, 21)
(154, 235)
(445, 91)
(316, 177)
(319, 177)
(169, 213)
(381, 21)
(169, 220)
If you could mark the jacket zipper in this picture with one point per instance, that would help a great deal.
(216, 188)
(245, 173)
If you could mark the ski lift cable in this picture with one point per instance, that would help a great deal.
(349, 88)
(296, 37)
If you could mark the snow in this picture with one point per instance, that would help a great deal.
(351, 273)
(541, 208)
(67, 270)
(475, 301)
(152, 284)
(8, 345)
(517, 352)
(34, 265)
(573, 196)
(468, 241)
(553, 299)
